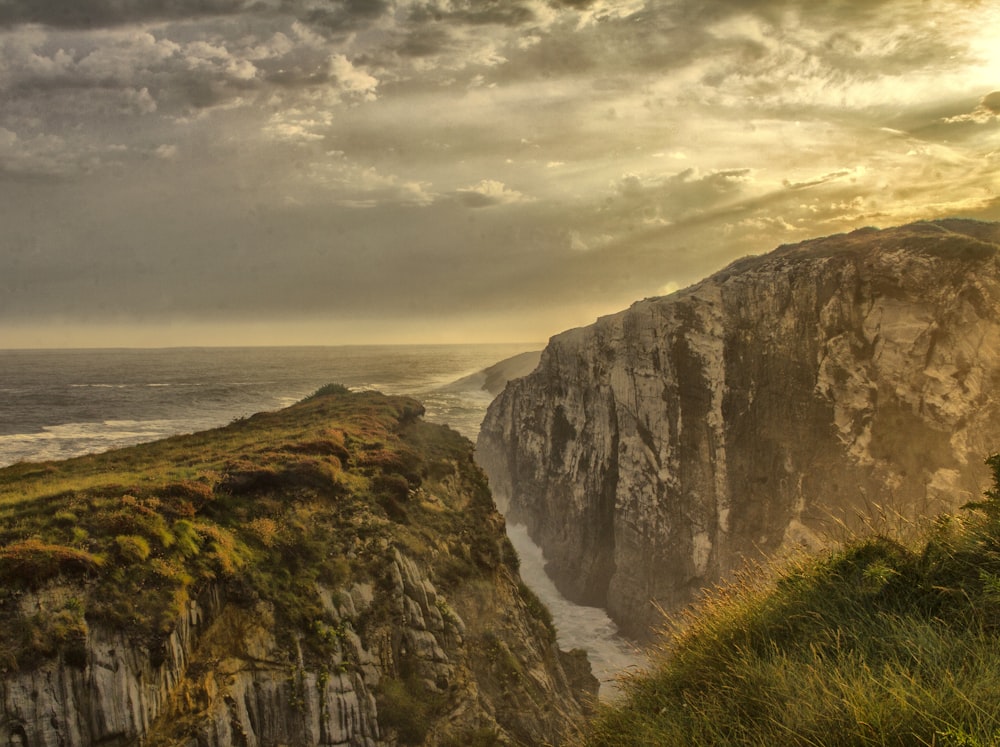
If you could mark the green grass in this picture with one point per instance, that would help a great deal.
(267, 507)
(877, 643)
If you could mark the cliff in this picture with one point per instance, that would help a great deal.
(653, 452)
(331, 574)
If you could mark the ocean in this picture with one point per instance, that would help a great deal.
(57, 404)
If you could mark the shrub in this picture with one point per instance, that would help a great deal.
(264, 529)
(32, 562)
(132, 548)
(185, 498)
(188, 541)
(328, 390)
(401, 706)
(536, 608)
(392, 486)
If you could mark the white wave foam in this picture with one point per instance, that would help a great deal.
(67, 440)
(588, 628)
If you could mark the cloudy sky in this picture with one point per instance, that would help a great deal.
(344, 171)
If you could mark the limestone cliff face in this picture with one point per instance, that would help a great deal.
(409, 629)
(654, 451)
(226, 680)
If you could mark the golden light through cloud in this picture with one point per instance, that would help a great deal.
(458, 169)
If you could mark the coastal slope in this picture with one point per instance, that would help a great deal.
(333, 573)
(830, 383)
(493, 379)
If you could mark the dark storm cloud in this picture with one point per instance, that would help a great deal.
(338, 17)
(326, 15)
(426, 42)
(943, 127)
(159, 73)
(473, 12)
(832, 15)
(168, 70)
(88, 14)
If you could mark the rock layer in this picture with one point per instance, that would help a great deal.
(654, 452)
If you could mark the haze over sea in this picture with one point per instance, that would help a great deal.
(57, 404)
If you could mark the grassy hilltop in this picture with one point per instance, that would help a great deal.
(269, 505)
(877, 643)
(277, 512)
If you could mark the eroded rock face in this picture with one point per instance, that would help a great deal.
(225, 679)
(653, 452)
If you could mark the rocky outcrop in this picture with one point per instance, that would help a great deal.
(226, 679)
(415, 629)
(653, 452)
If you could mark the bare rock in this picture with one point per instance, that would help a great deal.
(655, 451)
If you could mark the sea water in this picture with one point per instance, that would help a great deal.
(57, 404)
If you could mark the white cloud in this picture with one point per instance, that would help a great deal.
(350, 184)
(576, 242)
(166, 152)
(490, 192)
(40, 155)
(278, 45)
(988, 110)
(768, 224)
(216, 59)
(352, 80)
(126, 56)
(291, 131)
(305, 36)
(139, 101)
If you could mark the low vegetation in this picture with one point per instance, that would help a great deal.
(268, 509)
(877, 643)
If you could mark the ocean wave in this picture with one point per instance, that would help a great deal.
(578, 626)
(67, 440)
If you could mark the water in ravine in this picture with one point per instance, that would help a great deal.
(57, 404)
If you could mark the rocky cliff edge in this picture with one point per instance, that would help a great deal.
(331, 574)
(838, 382)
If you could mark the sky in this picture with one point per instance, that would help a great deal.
(231, 172)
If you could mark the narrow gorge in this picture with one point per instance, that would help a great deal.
(790, 397)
